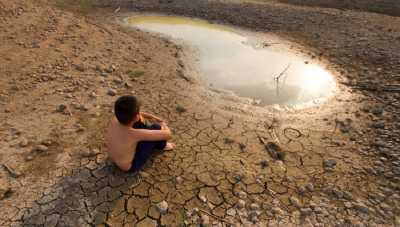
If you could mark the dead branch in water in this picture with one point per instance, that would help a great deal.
(279, 76)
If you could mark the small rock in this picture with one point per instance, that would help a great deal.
(46, 142)
(264, 164)
(204, 220)
(180, 109)
(29, 158)
(301, 190)
(95, 114)
(83, 107)
(242, 194)
(254, 206)
(318, 210)
(93, 95)
(305, 211)
(348, 205)
(99, 68)
(231, 212)
(377, 125)
(52, 220)
(118, 81)
(96, 150)
(162, 207)
(228, 141)
(79, 67)
(62, 108)
(277, 210)
(109, 69)
(79, 128)
(40, 148)
(337, 193)
(70, 96)
(179, 180)
(361, 207)
(203, 198)
(194, 211)
(377, 111)
(112, 92)
(128, 85)
(329, 164)
(347, 195)
(87, 153)
(113, 67)
(240, 204)
(237, 177)
(310, 187)
(344, 126)
(5, 188)
(15, 132)
(397, 221)
(295, 201)
(24, 142)
(254, 218)
(13, 173)
(242, 147)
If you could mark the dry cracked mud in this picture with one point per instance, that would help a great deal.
(61, 72)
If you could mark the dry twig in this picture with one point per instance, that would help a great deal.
(279, 76)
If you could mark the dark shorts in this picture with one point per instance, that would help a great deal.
(145, 149)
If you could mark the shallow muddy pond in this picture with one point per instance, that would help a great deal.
(249, 65)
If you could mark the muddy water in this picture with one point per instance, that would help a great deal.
(249, 67)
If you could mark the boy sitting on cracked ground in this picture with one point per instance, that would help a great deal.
(134, 136)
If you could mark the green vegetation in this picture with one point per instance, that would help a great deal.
(135, 73)
(82, 6)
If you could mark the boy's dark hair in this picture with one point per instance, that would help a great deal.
(126, 108)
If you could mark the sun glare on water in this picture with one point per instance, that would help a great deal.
(315, 79)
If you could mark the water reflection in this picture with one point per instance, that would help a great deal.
(229, 61)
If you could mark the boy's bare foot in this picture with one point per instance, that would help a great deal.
(169, 146)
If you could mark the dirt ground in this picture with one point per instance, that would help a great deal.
(388, 7)
(61, 72)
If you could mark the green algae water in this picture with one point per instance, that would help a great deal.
(231, 61)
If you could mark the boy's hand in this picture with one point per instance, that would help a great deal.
(163, 125)
(152, 117)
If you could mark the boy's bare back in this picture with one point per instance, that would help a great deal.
(121, 144)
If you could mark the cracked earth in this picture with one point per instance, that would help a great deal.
(338, 163)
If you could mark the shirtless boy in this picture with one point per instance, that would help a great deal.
(133, 136)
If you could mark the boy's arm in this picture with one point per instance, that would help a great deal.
(151, 116)
(152, 135)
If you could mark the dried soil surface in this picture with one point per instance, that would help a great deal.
(388, 7)
(61, 72)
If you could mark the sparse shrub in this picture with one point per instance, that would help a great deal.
(135, 73)
(82, 6)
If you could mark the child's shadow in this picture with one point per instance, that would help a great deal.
(84, 198)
